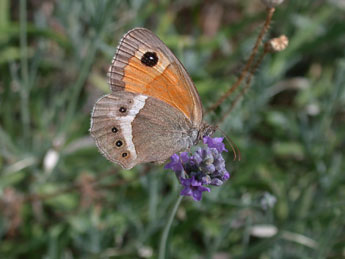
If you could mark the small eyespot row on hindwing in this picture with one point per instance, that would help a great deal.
(149, 59)
(118, 143)
(124, 154)
(114, 130)
(122, 109)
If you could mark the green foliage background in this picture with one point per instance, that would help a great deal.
(289, 127)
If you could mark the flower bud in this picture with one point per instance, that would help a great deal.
(216, 182)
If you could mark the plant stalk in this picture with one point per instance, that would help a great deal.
(163, 243)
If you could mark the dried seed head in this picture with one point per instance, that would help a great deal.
(277, 44)
(272, 3)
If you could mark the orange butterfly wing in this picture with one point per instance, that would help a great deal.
(166, 80)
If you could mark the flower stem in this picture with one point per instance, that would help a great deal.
(164, 238)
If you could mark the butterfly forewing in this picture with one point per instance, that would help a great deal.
(143, 64)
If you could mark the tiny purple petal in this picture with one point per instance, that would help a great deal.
(197, 195)
(204, 189)
(175, 163)
(195, 183)
(186, 191)
(215, 143)
(226, 176)
(184, 157)
(186, 182)
(193, 187)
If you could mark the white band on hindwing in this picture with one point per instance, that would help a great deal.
(126, 123)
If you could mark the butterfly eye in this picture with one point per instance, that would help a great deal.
(149, 59)
(118, 143)
(114, 130)
(122, 109)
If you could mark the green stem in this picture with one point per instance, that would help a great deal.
(163, 243)
(24, 90)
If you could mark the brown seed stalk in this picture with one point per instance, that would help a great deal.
(245, 70)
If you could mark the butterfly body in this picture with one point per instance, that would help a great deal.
(153, 110)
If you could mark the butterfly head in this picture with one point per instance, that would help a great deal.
(206, 130)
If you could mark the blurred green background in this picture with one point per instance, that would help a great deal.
(60, 198)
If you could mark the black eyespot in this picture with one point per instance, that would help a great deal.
(124, 154)
(149, 59)
(118, 143)
(114, 130)
(122, 109)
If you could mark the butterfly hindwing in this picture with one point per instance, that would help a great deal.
(132, 128)
(111, 127)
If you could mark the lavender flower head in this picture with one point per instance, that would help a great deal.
(205, 167)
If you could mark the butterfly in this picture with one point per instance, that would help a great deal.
(153, 110)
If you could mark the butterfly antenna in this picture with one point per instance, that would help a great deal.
(234, 147)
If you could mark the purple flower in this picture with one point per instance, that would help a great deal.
(184, 157)
(193, 188)
(226, 176)
(216, 143)
(175, 163)
(205, 167)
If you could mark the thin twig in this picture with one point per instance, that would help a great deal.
(245, 70)
(245, 88)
